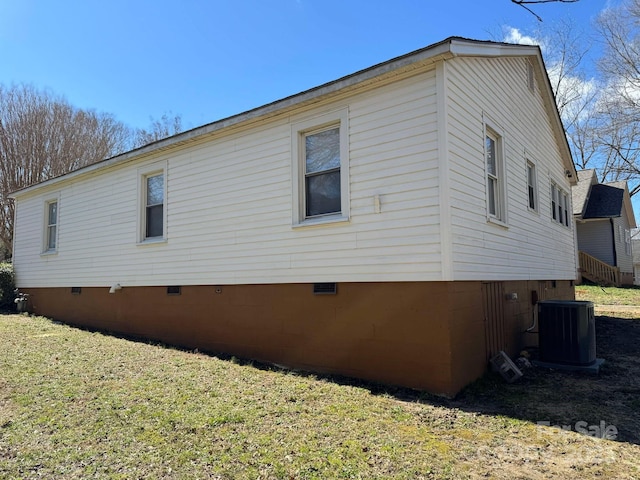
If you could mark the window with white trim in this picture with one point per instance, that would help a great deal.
(152, 199)
(494, 167)
(51, 226)
(559, 205)
(321, 168)
(532, 187)
(627, 241)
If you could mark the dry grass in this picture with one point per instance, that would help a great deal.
(609, 295)
(76, 404)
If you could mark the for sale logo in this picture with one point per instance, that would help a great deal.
(602, 430)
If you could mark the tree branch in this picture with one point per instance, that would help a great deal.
(524, 3)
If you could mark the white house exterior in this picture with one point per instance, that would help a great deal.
(427, 188)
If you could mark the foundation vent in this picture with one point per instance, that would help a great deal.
(325, 288)
(174, 290)
(76, 290)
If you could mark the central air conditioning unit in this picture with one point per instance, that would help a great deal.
(567, 332)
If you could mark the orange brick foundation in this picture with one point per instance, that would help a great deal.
(424, 335)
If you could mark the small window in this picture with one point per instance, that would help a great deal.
(531, 79)
(154, 206)
(322, 172)
(627, 241)
(153, 209)
(532, 189)
(494, 165)
(51, 226)
(559, 205)
(321, 167)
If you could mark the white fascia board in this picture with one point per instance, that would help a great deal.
(472, 48)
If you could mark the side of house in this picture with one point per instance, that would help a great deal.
(521, 229)
(392, 225)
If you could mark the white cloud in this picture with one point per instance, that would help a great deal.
(513, 35)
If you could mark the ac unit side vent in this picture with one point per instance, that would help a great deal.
(325, 288)
(567, 332)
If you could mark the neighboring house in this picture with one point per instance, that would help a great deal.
(604, 219)
(392, 225)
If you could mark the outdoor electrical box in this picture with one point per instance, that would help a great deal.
(567, 332)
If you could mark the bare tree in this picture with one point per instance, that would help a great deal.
(43, 136)
(619, 30)
(163, 127)
(600, 111)
(565, 47)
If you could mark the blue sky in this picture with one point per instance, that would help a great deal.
(206, 60)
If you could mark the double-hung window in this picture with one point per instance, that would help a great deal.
(51, 226)
(494, 168)
(154, 206)
(322, 172)
(532, 188)
(559, 205)
(153, 212)
(321, 168)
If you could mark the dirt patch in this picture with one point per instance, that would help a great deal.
(566, 398)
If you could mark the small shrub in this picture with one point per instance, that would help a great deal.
(7, 286)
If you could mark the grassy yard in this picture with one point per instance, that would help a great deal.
(76, 404)
(608, 295)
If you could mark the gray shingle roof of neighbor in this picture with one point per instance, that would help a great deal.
(605, 201)
(580, 191)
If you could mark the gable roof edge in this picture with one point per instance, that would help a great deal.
(628, 207)
(448, 48)
(470, 48)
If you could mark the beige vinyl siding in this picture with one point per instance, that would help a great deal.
(531, 247)
(229, 208)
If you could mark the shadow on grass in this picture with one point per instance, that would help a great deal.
(565, 398)
(551, 396)
(541, 395)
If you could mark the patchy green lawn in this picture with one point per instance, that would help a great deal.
(608, 295)
(76, 404)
